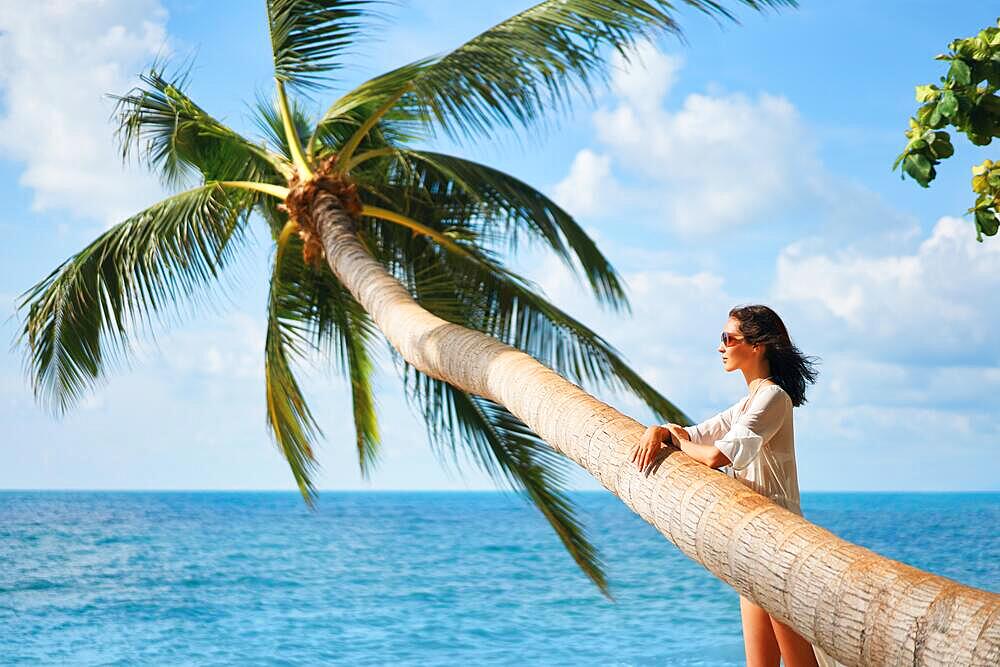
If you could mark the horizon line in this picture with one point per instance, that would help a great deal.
(496, 491)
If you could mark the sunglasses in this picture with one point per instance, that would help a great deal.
(729, 339)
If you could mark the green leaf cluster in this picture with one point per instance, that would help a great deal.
(967, 101)
(986, 185)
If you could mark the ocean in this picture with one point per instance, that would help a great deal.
(375, 578)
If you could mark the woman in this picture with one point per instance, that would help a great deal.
(755, 439)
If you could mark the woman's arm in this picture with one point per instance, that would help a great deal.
(709, 455)
(737, 447)
(699, 439)
(655, 436)
(710, 430)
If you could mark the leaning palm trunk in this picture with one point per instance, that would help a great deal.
(858, 606)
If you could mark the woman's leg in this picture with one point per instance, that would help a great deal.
(758, 636)
(795, 650)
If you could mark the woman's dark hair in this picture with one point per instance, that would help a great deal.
(790, 369)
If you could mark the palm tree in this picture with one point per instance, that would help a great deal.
(375, 236)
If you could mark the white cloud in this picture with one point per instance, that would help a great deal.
(646, 78)
(717, 161)
(931, 305)
(229, 348)
(909, 363)
(872, 447)
(58, 60)
(589, 188)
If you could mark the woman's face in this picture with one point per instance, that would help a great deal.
(740, 355)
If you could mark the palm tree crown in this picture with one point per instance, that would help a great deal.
(437, 222)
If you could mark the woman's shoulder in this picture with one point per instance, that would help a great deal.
(773, 392)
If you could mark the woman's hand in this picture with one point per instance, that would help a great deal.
(649, 446)
(679, 433)
(706, 454)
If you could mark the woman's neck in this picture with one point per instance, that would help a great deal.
(757, 375)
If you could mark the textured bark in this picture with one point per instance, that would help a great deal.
(860, 607)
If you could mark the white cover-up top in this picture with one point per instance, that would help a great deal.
(758, 436)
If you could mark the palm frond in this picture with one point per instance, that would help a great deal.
(512, 208)
(275, 217)
(456, 239)
(288, 415)
(267, 116)
(481, 294)
(319, 314)
(521, 69)
(80, 317)
(175, 137)
(353, 333)
(308, 37)
(397, 127)
(509, 452)
(346, 333)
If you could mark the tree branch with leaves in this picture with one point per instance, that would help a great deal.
(967, 101)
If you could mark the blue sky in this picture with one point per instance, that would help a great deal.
(749, 164)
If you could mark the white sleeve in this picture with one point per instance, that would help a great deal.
(712, 428)
(758, 424)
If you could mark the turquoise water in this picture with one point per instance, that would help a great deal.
(405, 578)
